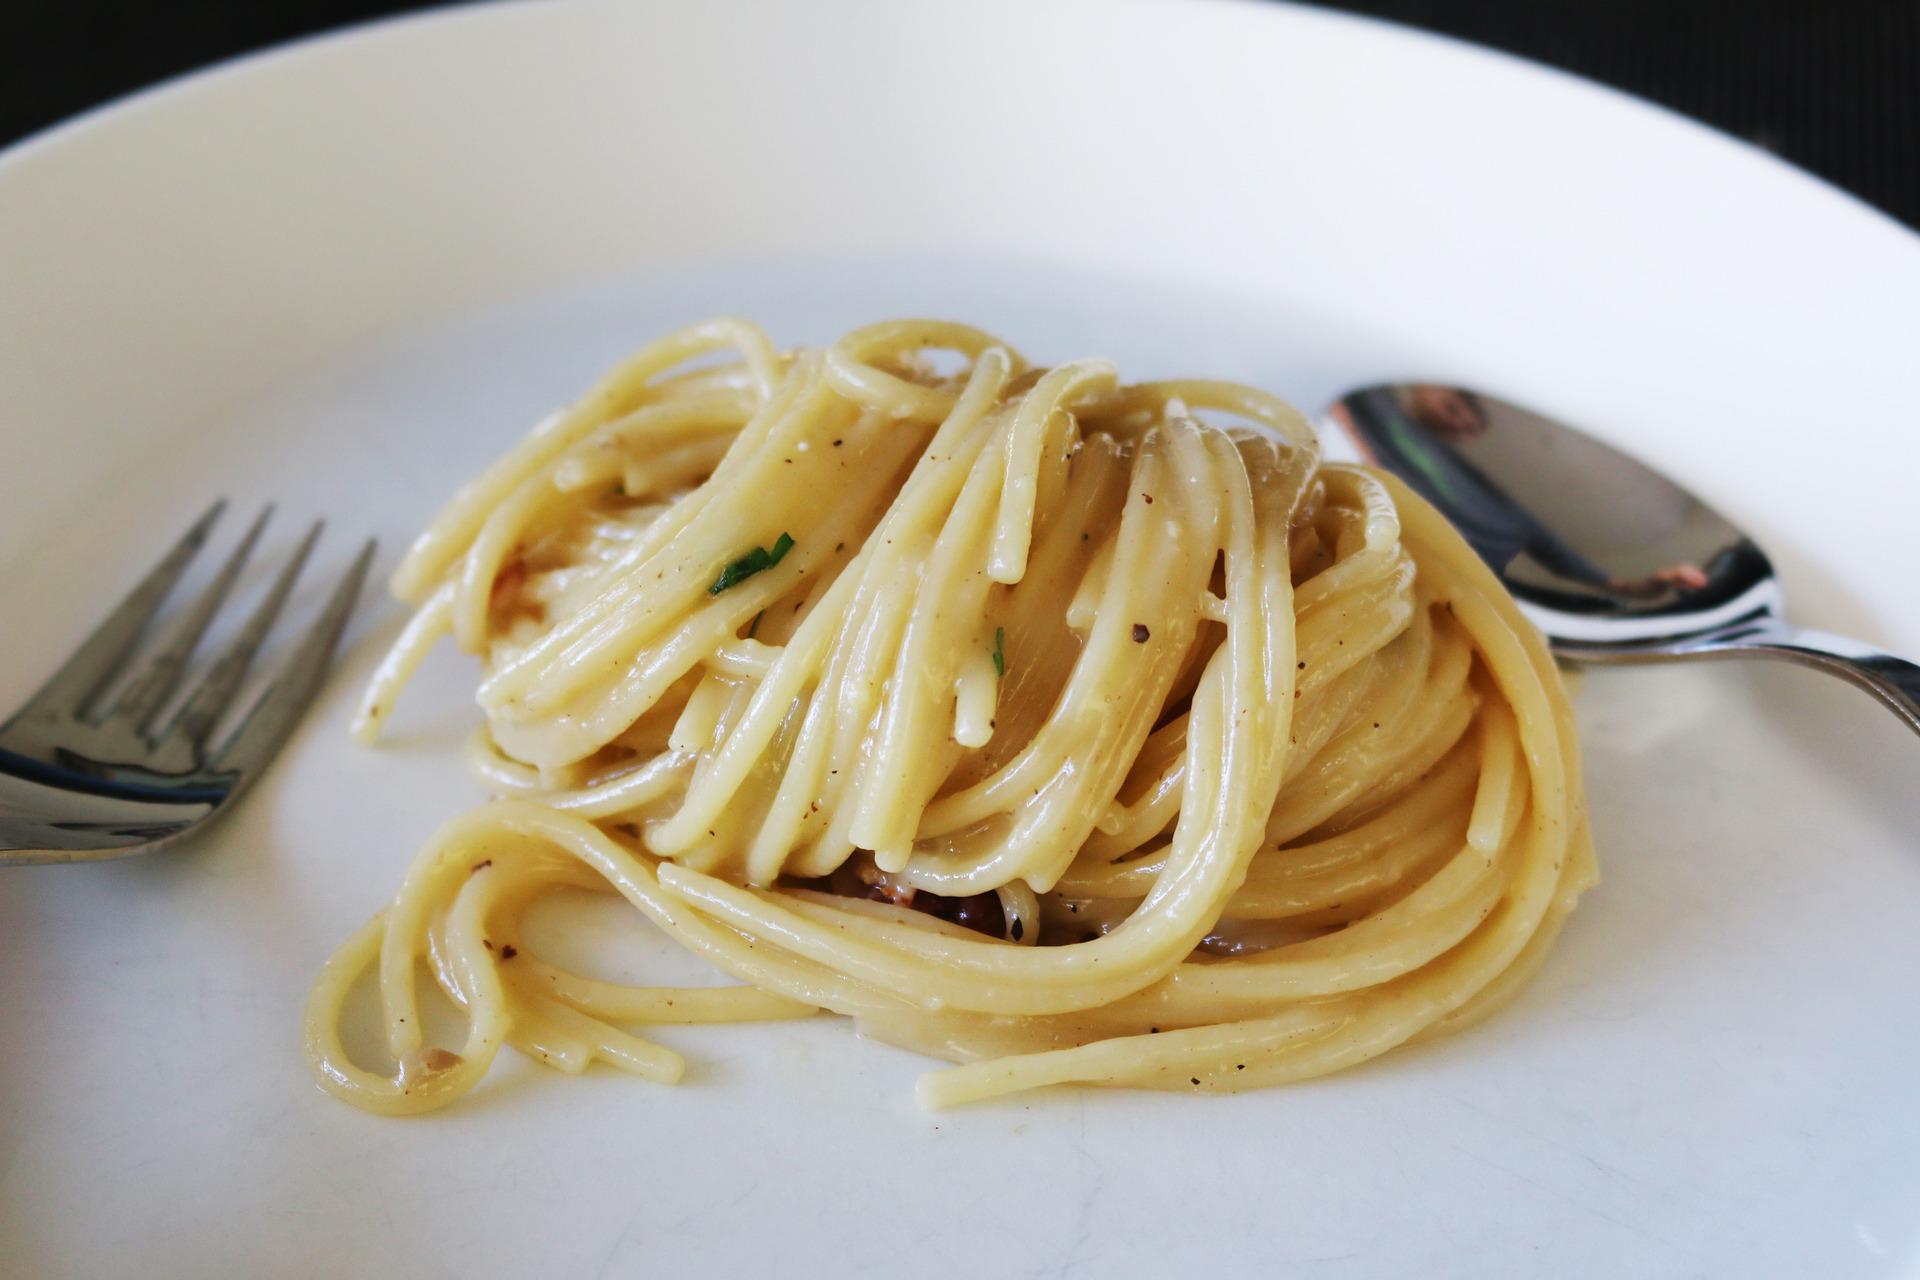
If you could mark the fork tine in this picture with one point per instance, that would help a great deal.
(79, 680)
(268, 724)
(143, 698)
(209, 699)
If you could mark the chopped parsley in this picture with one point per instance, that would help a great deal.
(751, 563)
(1000, 651)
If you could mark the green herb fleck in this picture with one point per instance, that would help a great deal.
(751, 563)
(1000, 651)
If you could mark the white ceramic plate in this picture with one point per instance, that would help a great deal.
(346, 274)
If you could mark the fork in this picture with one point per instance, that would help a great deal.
(80, 784)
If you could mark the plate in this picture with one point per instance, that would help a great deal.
(346, 273)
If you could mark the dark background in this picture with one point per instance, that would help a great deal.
(1831, 85)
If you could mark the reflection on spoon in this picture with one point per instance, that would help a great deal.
(1615, 562)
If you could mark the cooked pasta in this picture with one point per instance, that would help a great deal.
(1065, 729)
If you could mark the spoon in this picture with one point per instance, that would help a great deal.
(1612, 560)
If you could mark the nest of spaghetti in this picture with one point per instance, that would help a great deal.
(1065, 729)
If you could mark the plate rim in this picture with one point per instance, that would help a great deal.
(109, 113)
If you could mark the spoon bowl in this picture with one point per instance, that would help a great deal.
(1612, 560)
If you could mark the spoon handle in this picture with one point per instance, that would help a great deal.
(1894, 681)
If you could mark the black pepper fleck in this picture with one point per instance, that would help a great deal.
(1140, 633)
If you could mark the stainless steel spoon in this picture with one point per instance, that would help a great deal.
(1615, 562)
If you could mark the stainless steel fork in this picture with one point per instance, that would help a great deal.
(80, 783)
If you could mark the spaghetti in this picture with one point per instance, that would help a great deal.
(1065, 729)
